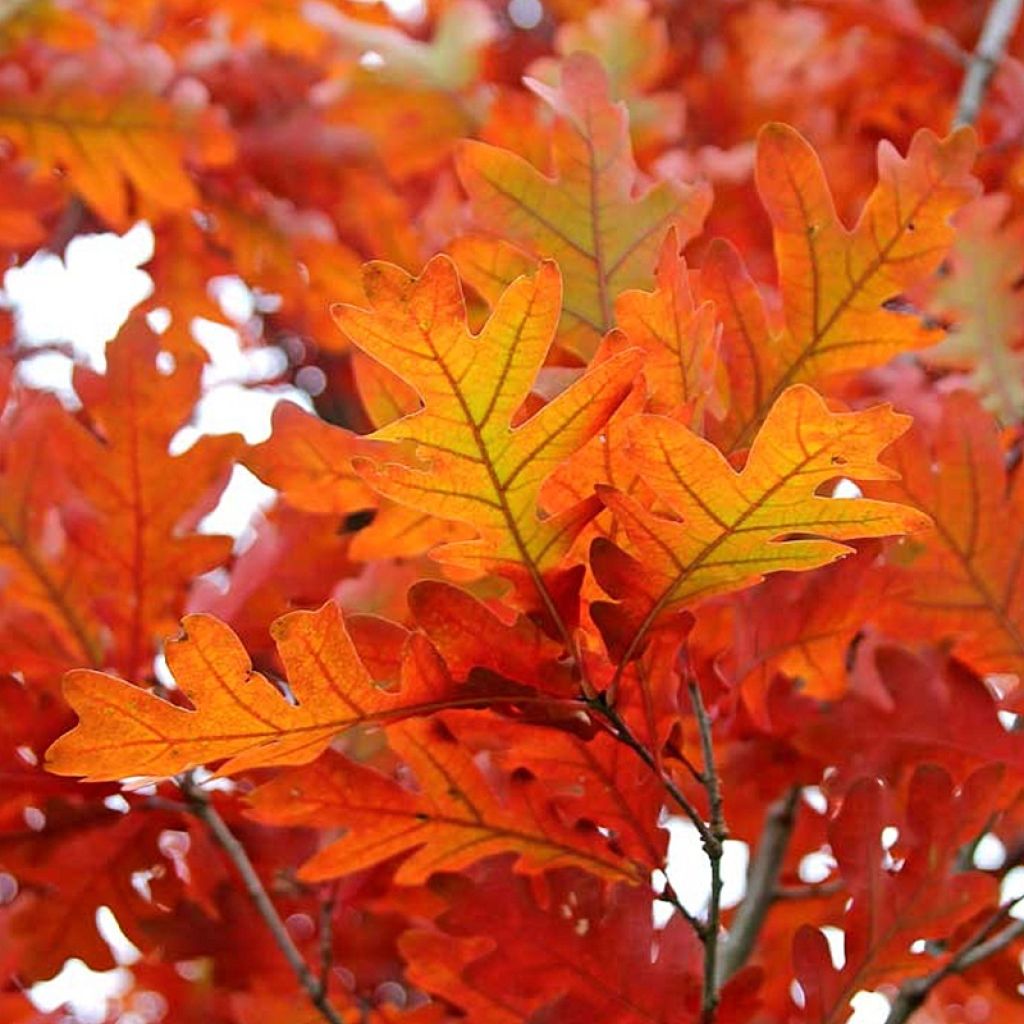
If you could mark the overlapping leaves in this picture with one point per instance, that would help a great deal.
(479, 464)
(836, 284)
(725, 529)
(591, 217)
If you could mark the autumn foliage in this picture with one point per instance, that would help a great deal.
(655, 466)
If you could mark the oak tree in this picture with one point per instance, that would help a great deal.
(657, 471)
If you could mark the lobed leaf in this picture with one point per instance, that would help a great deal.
(965, 574)
(836, 283)
(106, 142)
(238, 715)
(728, 528)
(893, 907)
(981, 294)
(593, 217)
(477, 468)
(453, 820)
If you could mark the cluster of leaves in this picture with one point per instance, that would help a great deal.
(582, 534)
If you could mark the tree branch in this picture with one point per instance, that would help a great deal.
(199, 804)
(980, 946)
(762, 884)
(999, 24)
(713, 847)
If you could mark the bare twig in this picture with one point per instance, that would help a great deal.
(199, 804)
(762, 884)
(980, 946)
(713, 846)
(622, 732)
(327, 939)
(999, 24)
(670, 896)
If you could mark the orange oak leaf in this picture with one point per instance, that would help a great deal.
(678, 335)
(595, 780)
(835, 282)
(477, 468)
(593, 216)
(965, 574)
(471, 639)
(108, 141)
(633, 44)
(454, 819)
(789, 623)
(729, 528)
(135, 535)
(238, 715)
(45, 621)
(310, 462)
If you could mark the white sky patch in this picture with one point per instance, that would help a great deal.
(86, 992)
(125, 951)
(690, 873)
(869, 1008)
(846, 488)
(84, 298)
(82, 301)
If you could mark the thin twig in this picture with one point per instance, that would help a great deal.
(762, 884)
(999, 24)
(200, 806)
(622, 732)
(713, 847)
(670, 896)
(327, 939)
(913, 993)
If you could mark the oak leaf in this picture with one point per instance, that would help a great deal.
(678, 334)
(582, 952)
(902, 710)
(634, 45)
(593, 217)
(836, 283)
(83, 858)
(239, 716)
(310, 462)
(895, 906)
(454, 819)
(135, 534)
(45, 620)
(964, 574)
(108, 141)
(478, 468)
(981, 295)
(728, 529)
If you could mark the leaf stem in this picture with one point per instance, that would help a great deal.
(199, 804)
(1000, 22)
